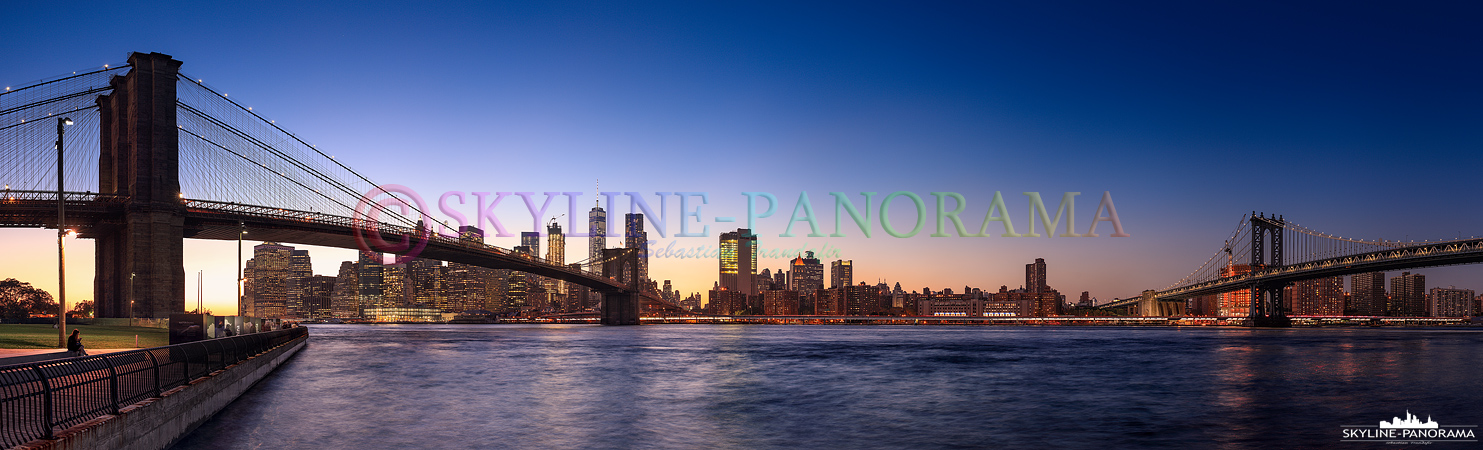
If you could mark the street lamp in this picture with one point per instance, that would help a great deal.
(61, 233)
(131, 299)
(240, 232)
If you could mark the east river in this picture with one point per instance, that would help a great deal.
(780, 386)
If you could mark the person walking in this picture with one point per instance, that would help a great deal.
(74, 344)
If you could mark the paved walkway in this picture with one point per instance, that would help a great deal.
(10, 356)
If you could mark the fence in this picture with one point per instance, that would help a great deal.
(39, 399)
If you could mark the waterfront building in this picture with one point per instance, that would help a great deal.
(829, 302)
(1316, 297)
(1408, 295)
(1450, 302)
(861, 299)
(1235, 303)
(317, 300)
(404, 314)
(948, 305)
(1367, 294)
(396, 286)
(727, 302)
(779, 302)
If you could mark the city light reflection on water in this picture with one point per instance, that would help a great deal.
(756, 386)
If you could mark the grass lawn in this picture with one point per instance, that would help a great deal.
(93, 336)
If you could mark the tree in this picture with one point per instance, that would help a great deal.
(82, 309)
(19, 300)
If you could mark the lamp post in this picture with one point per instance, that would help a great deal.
(131, 299)
(61, 233)
(240, 232)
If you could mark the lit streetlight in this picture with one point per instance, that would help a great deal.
(240, 232)
(131, 299)
(61, 233)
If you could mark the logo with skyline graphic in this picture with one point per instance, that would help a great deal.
(1408, 430)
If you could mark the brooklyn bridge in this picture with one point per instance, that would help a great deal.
(153, 157)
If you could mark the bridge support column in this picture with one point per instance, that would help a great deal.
(139, 157)
(1148, 304)
(1267, 309)
(620, 308)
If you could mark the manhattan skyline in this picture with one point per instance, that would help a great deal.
(1325, 116)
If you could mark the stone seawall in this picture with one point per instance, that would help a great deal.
(157, 423)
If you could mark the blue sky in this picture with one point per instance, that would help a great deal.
(1356, 119)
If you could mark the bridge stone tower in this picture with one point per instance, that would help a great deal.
(140, 158)
(1266, 298)
(621, 308)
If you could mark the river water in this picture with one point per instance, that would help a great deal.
(781, 386)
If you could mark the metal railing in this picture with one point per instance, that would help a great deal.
(39, 399)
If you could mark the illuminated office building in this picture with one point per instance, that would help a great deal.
(634, 236)
(841, 273)
(738, 258)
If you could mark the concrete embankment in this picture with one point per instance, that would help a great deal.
(157, 423)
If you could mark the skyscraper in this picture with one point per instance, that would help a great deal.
(1367, 294)
(344, 302)
(531, 239)
(464, 284)
(738, 258)
(518, 285)
(841, 273)
(597, 237)
(634, 236)
(269, 280)
(396, 286)
(369, 278)
(807, 273)
(427, 282)
(1035, 276)
(299, 271)
(1408, 295)
(318, 290)
(555, 254)
(597, 240)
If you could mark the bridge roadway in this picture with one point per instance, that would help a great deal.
(222, 221)
(1468, 251)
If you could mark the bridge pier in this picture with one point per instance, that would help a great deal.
(622, 307)
(139, 157)
(1267, 309)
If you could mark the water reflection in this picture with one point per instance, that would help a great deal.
(736, 386)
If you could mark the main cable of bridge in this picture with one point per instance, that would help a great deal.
(334, 182)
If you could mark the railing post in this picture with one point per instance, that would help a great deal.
(156, 363)
(112, 383)
(45, 402)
